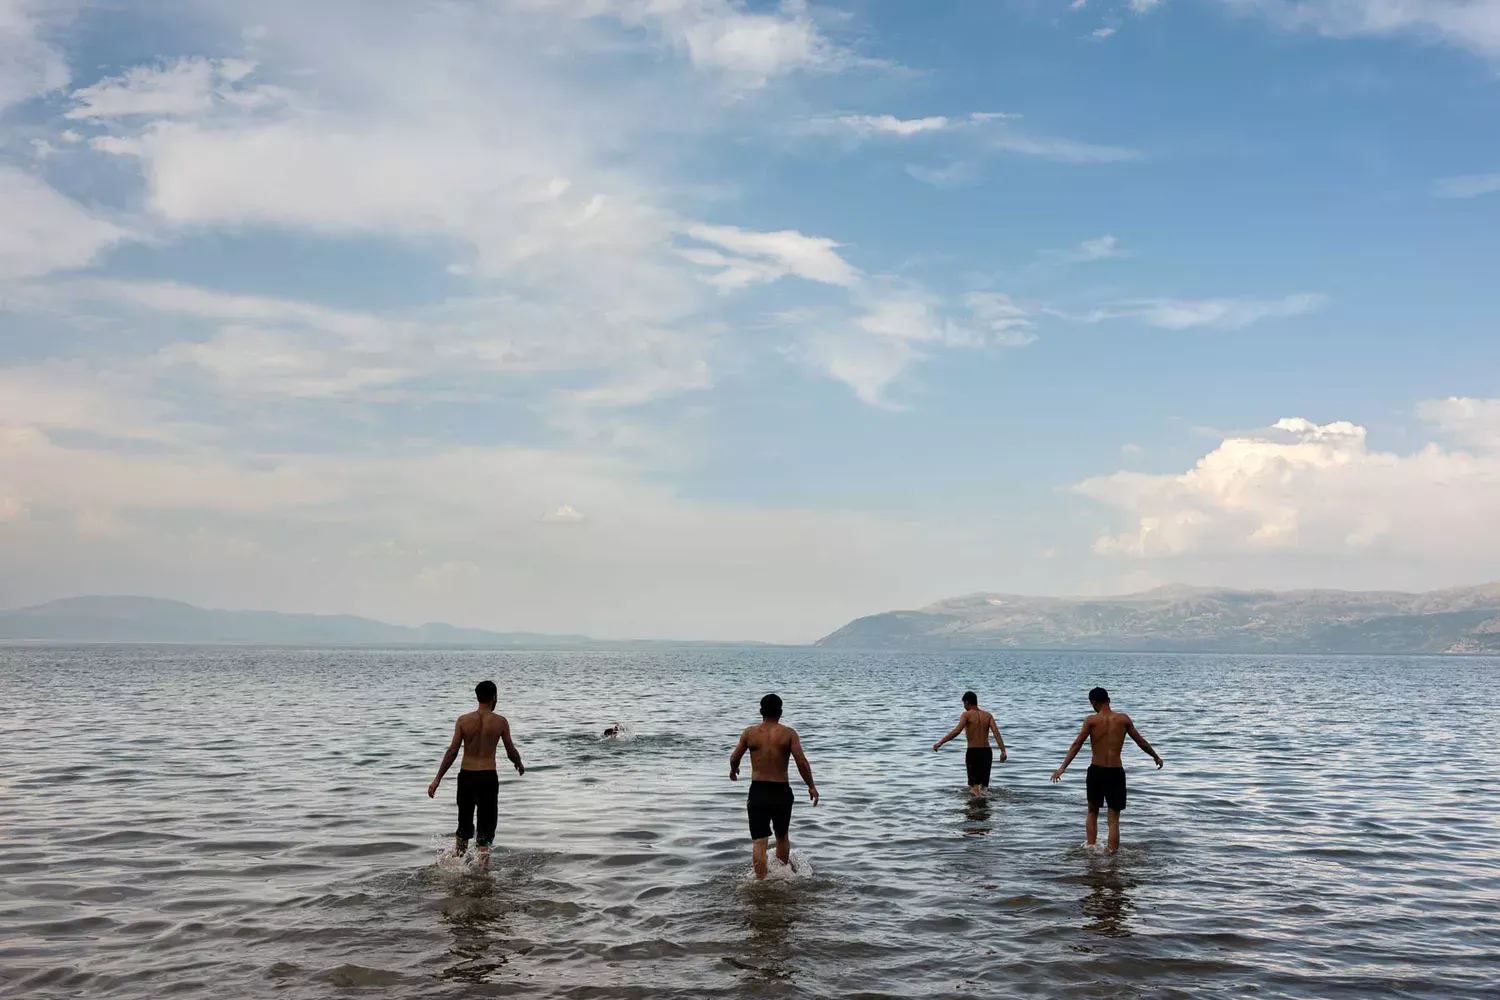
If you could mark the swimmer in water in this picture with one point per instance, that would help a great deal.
(770, 801)
(1105, 730)
(479, 732)
(976, 724)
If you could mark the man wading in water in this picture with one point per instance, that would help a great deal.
(479, 732)
(770, 799)
(976, 724)
(1105, 730)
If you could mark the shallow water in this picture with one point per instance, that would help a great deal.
(247, 822)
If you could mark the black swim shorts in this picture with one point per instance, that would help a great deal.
(979, 760)
(478, 791)
(770, 806)
(1106, 785)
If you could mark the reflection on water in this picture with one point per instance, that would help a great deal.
(475, 915)
(285, 846)
(1108, 905)
(977, 817)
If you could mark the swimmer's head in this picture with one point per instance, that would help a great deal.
(1098, 697)
(971, 700)
(770, 707)
(485, 692)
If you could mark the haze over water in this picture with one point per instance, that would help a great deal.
(253, 822)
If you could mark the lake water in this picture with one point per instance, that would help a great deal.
(253, 822)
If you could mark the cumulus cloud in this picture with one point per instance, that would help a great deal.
(1470, 422)
(1304, 488)
(563, 515)
(1467, 186)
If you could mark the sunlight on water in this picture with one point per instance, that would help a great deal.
(254, 822)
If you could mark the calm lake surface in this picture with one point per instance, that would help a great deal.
(254, 822)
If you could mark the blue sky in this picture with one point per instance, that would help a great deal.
(697, 318)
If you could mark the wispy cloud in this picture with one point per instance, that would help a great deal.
(1061, 150)
(1467, 186)
(1468, 24)
(891, 125)
(1212, 314)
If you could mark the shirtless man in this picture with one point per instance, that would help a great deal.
(479, 732)
(770, 800)
(1105, 730)
(976, 724)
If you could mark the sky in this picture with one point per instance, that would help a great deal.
(737, 320)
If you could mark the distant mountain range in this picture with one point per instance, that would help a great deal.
(1200, 619)
(148, 619)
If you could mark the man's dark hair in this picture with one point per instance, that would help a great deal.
(1099, 696)
(971, 699)
(770, 707)
(485, 692)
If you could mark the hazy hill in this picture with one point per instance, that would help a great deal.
(148, 619)
(1457, 620)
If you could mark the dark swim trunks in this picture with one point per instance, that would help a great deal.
(478, 791)
(979, 760)
(1106, 784)
(769, 805)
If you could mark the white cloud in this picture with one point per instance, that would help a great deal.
(45, 232)
(173, 89)
(1469, 24)
(1144, 6)
(1212, 314)
(1131, 449)
(447, 577)
(1062, 150)
(1104, 32)
(768, 256)
(1470, 422)
(953, 175)
(897, 326)
(563, 515)
(29, 65)
(1309, 489)
(1008, 324)
(749, 47)
(1467, 186)
(868, 125)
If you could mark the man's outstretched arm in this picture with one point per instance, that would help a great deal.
(995, 728)
(1083, 734)
(510, 748)
(956, 730)
(803, 767)
(736, 757)
(448, 759)
(1140, 741)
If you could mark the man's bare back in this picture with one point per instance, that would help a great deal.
(481, 732)
(977, 724)
(771, 746)
(1106, 731)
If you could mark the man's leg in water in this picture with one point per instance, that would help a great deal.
(758, 854)
(1092, 827)
(1114, 831)
(784, 849)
